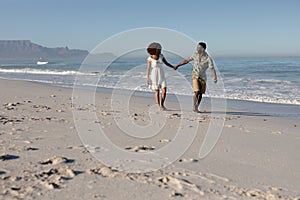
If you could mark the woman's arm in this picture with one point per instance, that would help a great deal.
(166, 63)
(148, 72)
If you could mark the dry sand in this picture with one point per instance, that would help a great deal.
(42, 156)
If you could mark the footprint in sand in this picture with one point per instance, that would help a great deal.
(174, 116)
(164, 140)
(5, 157)
(31, 149)
(141, 148)
(180, 185)
(56, 160)
(188, 160)
(104, 171)
(53, 178)
(11, 106)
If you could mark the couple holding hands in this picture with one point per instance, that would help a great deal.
(156, 77)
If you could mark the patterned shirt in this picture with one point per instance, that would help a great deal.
(200, 67)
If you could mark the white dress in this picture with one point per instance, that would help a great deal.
(158, 79)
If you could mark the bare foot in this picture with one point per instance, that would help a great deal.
(196, 110)
(163, 108)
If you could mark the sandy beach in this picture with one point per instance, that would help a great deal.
(43, 156)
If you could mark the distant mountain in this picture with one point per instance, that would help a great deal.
(25, 49)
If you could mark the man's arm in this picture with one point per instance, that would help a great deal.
(213, 71)
(186, 61)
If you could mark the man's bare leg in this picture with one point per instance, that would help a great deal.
(197, 99)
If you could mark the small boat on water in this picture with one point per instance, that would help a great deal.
(42, 62)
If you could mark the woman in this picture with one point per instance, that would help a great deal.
(157, 79)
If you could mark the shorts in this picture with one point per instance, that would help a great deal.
(199, 85)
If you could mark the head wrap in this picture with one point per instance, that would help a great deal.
(154, 48)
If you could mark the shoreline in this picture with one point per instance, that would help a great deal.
(290, 111)
(258, 108)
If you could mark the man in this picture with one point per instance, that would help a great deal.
(202, 61)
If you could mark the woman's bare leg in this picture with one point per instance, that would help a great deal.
(157, 98)
(163, 98)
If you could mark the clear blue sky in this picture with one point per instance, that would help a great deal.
(230, 27)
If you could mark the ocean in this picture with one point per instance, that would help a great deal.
(260, 81)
